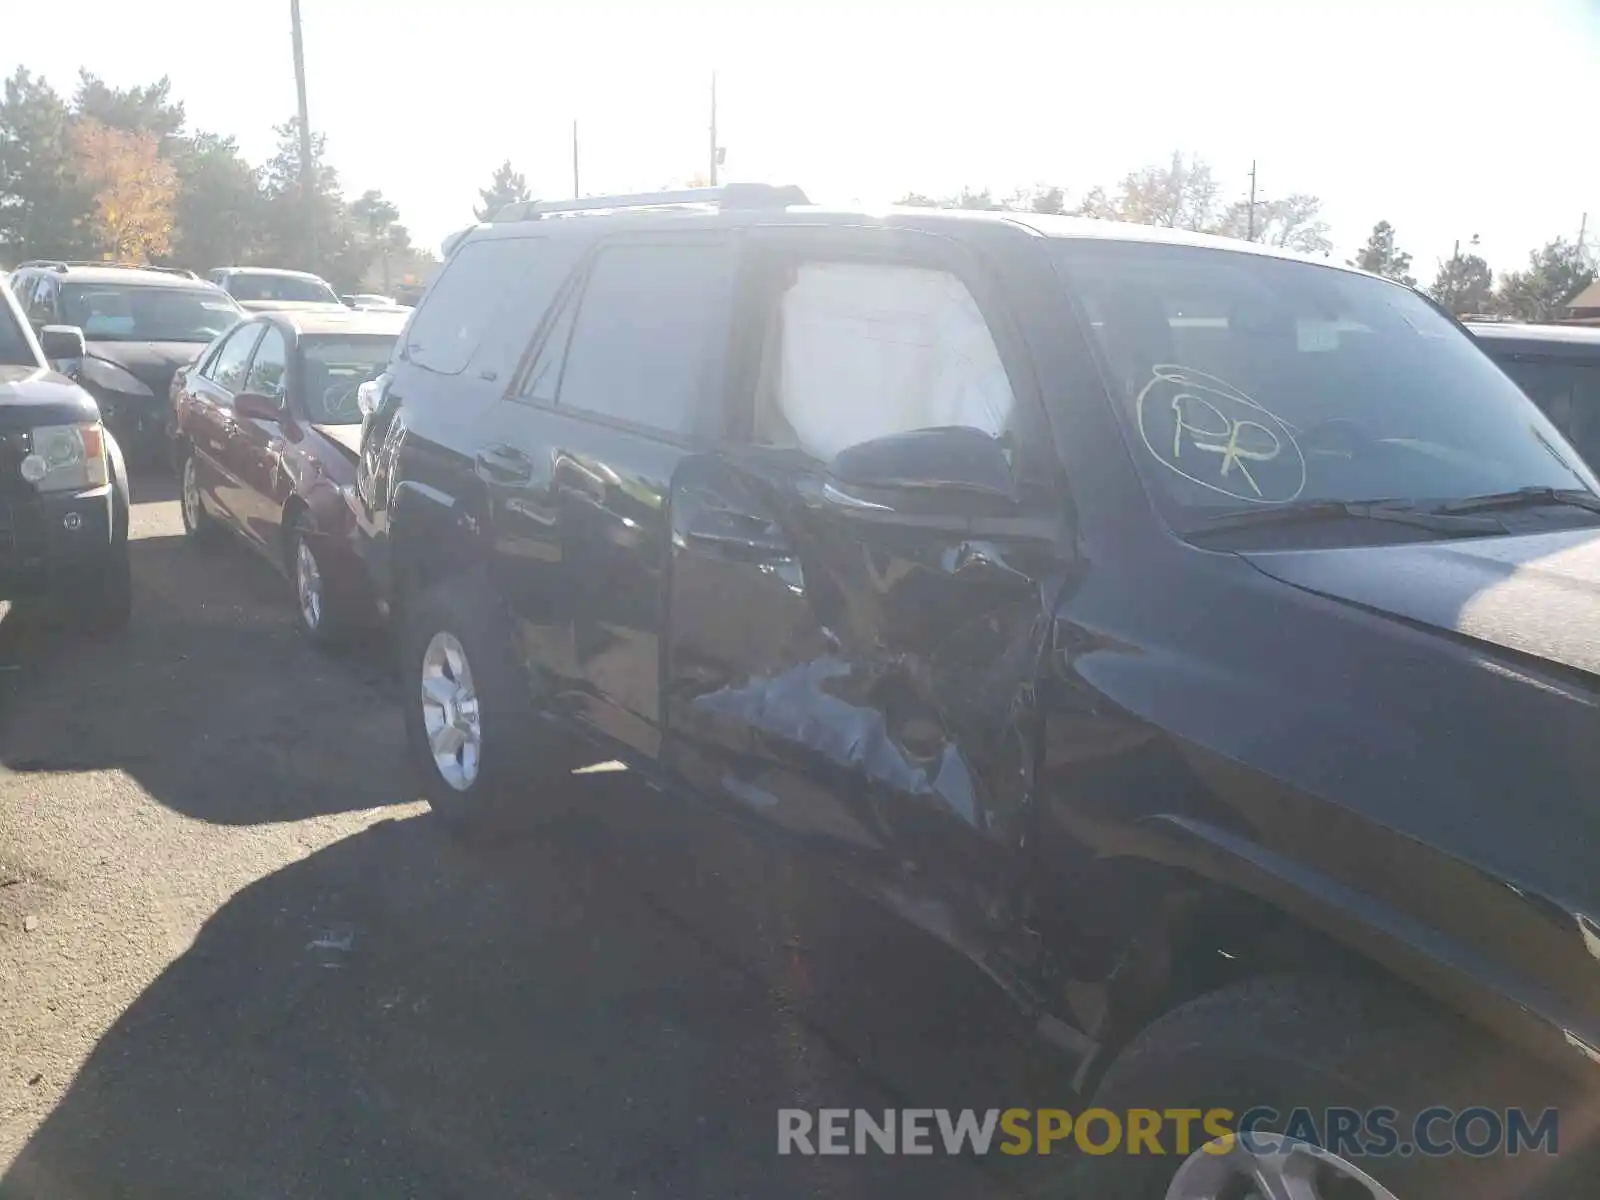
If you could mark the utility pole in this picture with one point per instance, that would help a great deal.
(1583, 228)
(576, 194)
(714, 152)
(1250, 236)
(308, 195)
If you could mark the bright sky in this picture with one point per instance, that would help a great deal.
(1447, 118)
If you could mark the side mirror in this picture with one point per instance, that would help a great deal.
(369, 396)
(257, 407)
(951, 470)
(61, 342)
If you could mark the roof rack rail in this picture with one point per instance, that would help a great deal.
(61, 264)
(732, 195)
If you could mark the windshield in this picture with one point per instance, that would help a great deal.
(293, 288)
(333, 368)
(109, 312)
(1245, 381)
(1569, 394)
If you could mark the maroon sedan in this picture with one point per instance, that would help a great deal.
(266, 431)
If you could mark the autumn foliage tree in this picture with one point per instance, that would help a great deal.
(133, 186)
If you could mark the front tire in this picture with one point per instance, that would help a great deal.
(323, 617)
(199, 526)
(481, 751)
(1293, 1043)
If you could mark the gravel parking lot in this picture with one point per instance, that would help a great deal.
(237, 959)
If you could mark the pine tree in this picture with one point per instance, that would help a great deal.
(1382, 257)
(507, 187)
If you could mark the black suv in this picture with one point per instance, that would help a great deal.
(63, 486)
(1559, 367)
(139, 324)
(1200, 639)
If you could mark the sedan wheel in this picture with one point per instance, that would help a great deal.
(1267, 1166)
(308, 586)
(196, 521)
(450, 711)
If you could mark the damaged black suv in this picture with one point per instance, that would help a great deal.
(63, 485)
(1202, 640)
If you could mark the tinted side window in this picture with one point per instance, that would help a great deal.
(1569, 393)
(650, 317)
(226, 370)
(270, 365)
(42, 303)
(488, 284)
(14, 348)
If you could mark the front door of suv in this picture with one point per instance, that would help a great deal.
(860, 676)
(625, 382)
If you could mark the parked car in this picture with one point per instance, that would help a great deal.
(1199, 638)
(63, 484)
(368, 300)
(1558, 366)
(265, 431)
(139, 325)
(262, 288)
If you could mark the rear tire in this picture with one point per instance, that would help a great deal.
(1314, 1043)
(481, 751)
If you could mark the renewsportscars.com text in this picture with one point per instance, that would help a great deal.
(1348, 1132)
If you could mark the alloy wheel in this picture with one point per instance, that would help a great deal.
(450, 711)
(308, 585)
(1267, 1166)
(193, 514)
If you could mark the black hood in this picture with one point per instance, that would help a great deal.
(1534, 594)
(151, 363)
(31, 396)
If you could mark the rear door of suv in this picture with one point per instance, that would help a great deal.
(625, 381)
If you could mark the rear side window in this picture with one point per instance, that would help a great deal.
(226, 370)
(490, 286)
(650, 318)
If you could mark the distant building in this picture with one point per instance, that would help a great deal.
(1585, 306)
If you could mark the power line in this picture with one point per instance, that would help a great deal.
(308, 194)
(1250, 222)
(716, 154)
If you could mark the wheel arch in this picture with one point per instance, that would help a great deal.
(1221, 913)
(433, 536)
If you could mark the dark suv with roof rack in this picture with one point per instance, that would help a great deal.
(63, 485)
(139, 324)
(1199, 638)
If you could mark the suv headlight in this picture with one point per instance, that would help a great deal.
(67, 458)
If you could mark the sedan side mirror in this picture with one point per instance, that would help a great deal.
(951, 470)
(61, 342)
(257, 407)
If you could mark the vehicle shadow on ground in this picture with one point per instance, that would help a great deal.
(210, 700)
(614, 1007)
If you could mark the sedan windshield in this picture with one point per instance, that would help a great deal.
(333, 368)
(1246, 381)
(292, 288)
(111, 312)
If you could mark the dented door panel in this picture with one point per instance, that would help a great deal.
(864, 683)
